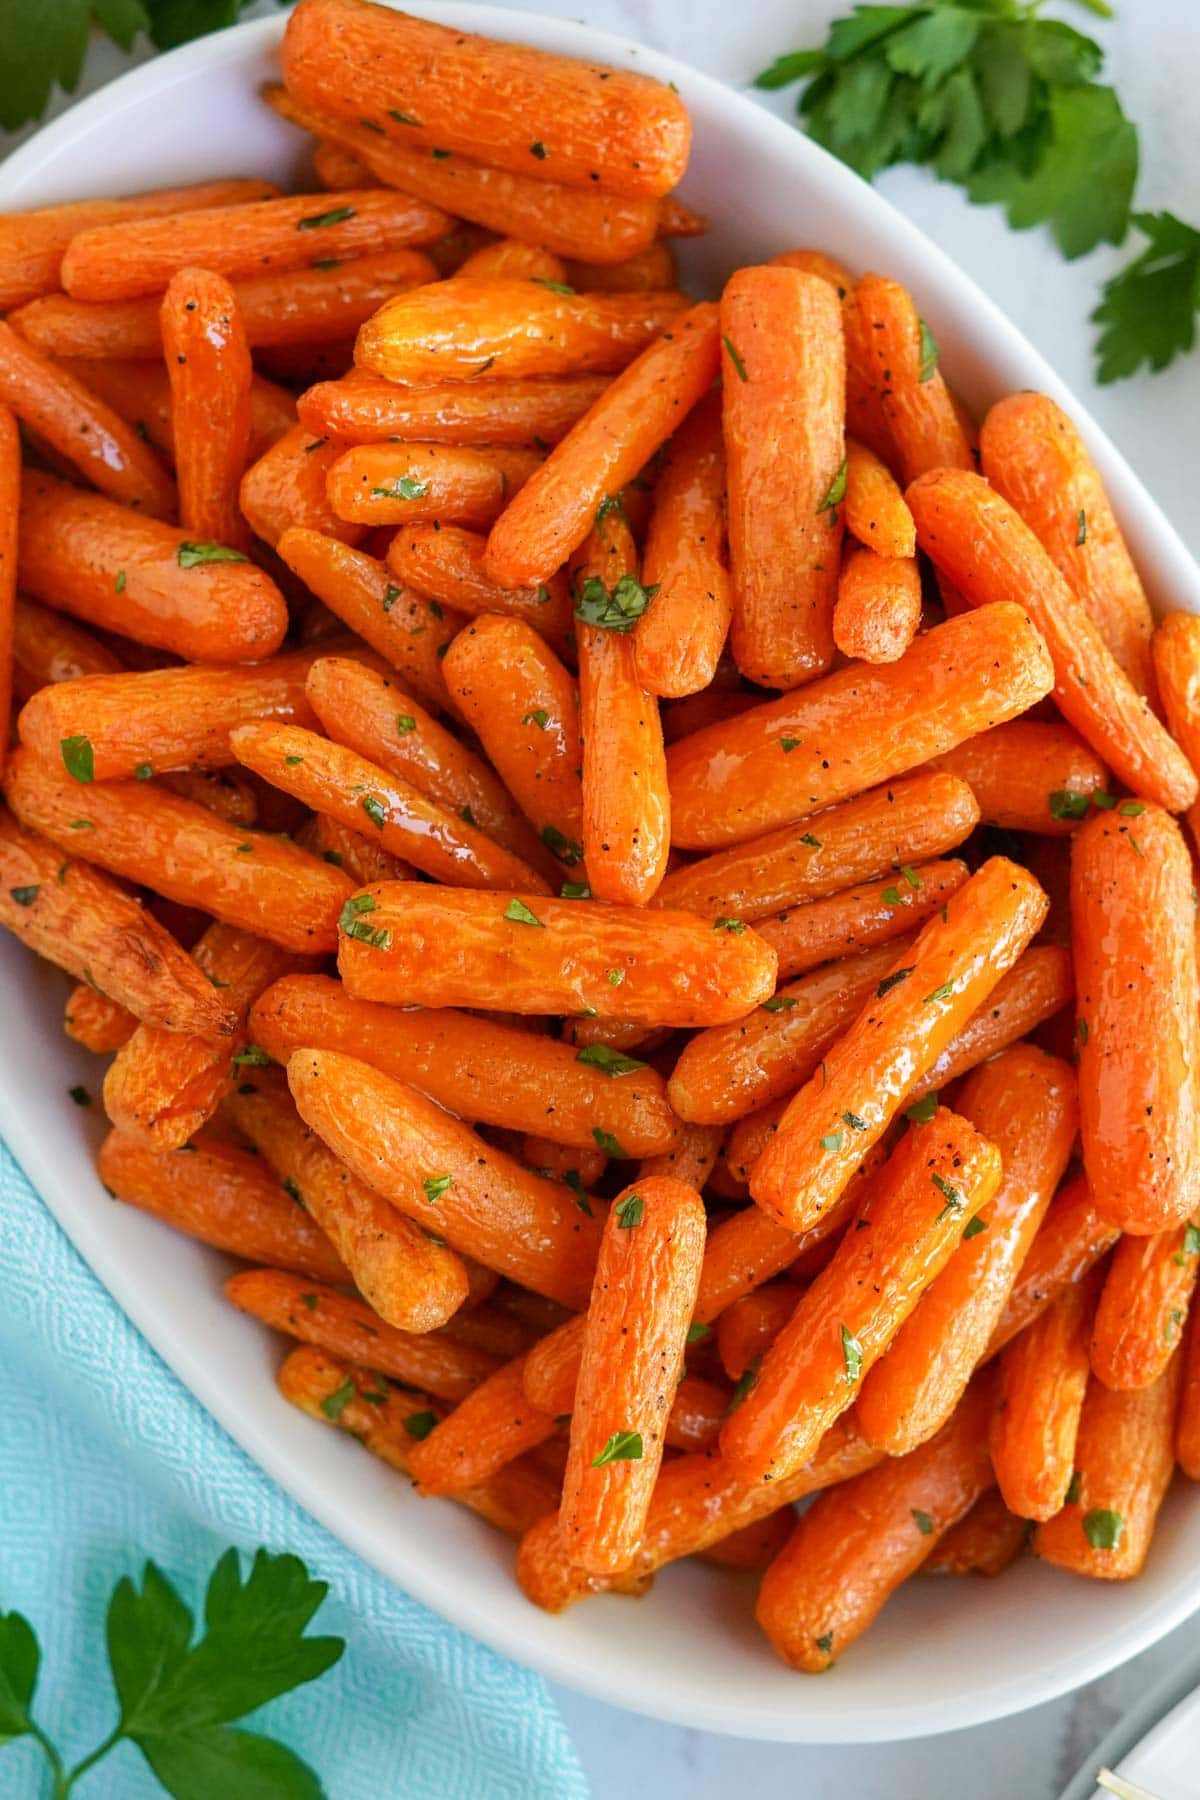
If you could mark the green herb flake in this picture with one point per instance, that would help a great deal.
(923, 1522)
(734, 926)
(788, 744)
(1103, 1528)
(1132, 809)
(1065, 803)
(611, 1062)
(630, 1211)
(779, 1003)
(250, 1056)
(25, 896)
(143, 772)
(1074, 1489)
(939, 993)
(519, 914)
(852, 1355)
(910, 875)
(565, 848)
(419, 1424)
(1080, 528)
(436, 1185)
(891, 896)
(696, 1332)
(922, 1110)
(927, 366)
(813, 843)
(743, 1385)
(832, 1141)
(78, 757)
(622, 1446)
(194, 556)
(316, 221)
(893, 980)
(837, 489)
(613, 609)
(575, 890)
(119, 583)
(405, 487)
(555, 287)
(335, 1404)
(606, 1141)
(375, 810)
(390, 596)
(537, 715)
(575, 1182)
(953, 1198)
(854, 1122)
(973, 1227)
(735, 359)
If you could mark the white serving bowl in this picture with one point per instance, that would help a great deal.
(946, 1653)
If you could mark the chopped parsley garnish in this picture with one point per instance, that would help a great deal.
(1065, 803)
(435, 1186)
(696, 1332)
(954, 1200)
(973, 1227)
(929, 353)
(622, 1446)
(923, 1521)
(565, 848)
(630, 1211)
(852, 1356)
(735, 359)
(832, 1140)
(892, 980)
(419, 1424)
(519, 914)
(192, 556)
(613, 609)
(78, 757)
(538, 716)
(736, 926)
(922, 1110)
(336, 216)
(353, 926)
(779, 1003)
(939, 993)
(405, 487)
(250, 1056)
(1103, 1528)
(606, 1141)
(335, 1404)
(25, 896)
(837, 489)
(375, 810)
(612, 1062)
(1080, 528)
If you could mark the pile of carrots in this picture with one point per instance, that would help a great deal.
(626, 856)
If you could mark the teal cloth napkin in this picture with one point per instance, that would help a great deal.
(106, 1459)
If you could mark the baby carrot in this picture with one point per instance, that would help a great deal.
(46, 646)
(865, 416)
(1144, 1305)
(446, 564)
(644, 272)
(985, 549)
(784, 402)
(606, 448)
(1033, 456)
(859, 918)
(874, 507)
(854, 729)
(261, 882)
(365, 409)
(1175, 649)
(691, 1158)
(933, 1184)
(747, 1329)
(856, 1545)
(141, 393)
(438, 1172)
(928, 997)
(286, 490)
(1029, 775)
(1138, 1015)
(1072, 1239)
(208, 361)
(224, 1197)
(398, 484)
(420, 946)
(986, 1541)
(509, 256)
(10, 499)
(756, 1546)
(1023, 1102)
(563, 1162)
(878, 605)
(101, 1025)
(121, 571)
(1187, 1431)
(921, 416)
(1038, 986)
(1042, 1381)
(490, 1426)
(360, 857)
(457, 329)
(1125, 1457)
(335, 167)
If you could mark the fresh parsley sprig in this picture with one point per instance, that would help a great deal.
(1147, 312)
(178, 1700)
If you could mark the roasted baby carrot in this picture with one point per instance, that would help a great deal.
(747, 1329)
(920, 412)
(691, 1159)
(140, 392)
(224, 1197)
(1030, 775)
(1038, 986)
(1175, 649)
(450, 1181)
(286, 490)
(645, 272)
(853, 729)
(1042, 1380)
(83, 554)
(1023, 1102)
(208, 361)
(783, 412)
(859, 918)
(264, 884)
(865, 416)
(1133, 931)
(48, 647)
(976, 539)
(1144, 1305)
(1071, 1241)
(917, 1009)
(1187, 1431)
(874, 508)
(397, 484)
(563, 1162)
(551, 1369)
(487, 1429)
(366, 409)
(754, 1547)
(933, 1184)
(878, 605)
(856, 1545)
(986, 1541)
(360, 857)
(510, 257)
(101, 1025)
(10, 499)
(446, 563)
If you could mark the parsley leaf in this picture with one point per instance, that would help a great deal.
(1147, 312)
(630, 1211)
(610, 1062)
(19, 1658)
(613, 609)
(622, 1446)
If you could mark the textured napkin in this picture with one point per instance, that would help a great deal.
(106, 1459)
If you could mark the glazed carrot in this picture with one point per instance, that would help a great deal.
(47, 647)
(331, 778)
(228, 795)
(917, 1010)
(266, 885)
(446, 564)
(854, 729)
(859, 918)
(1033, 456)
(856, 1545)
(690, 1160)
(509, 257)
(80, 920)
(645, 272)
(1144, 1305)
(208, 361)
(492, 957)
(716, 704)
(680, 636)
(224, 1197)
(626, 805)
(83, 554)
(150, 721)
(551, 1371)
(441, 1174)
(756, 1546)
(783, 394)
(366, 409)
(865, 416)
(484, 1327)
(1024, 1103)
(1043, 1378)
(401, 627)
(883, 830)
(98, 1023)
(164, 1086)
(731, 1070)
(986, 1541)
(563, 1162)
(522, 704)
(487, 1429)
(140, 392)
(878, 605)
(747, 1329)
(397, 484)
(10, 499)
(1125, 1457)
(455, 330)
(924, 425)
(1187, 1431)
(360, 857)
(619, 434)
(475, 1067)
(338, 168)
(1029, 775)
(1133, 928)
(1175, 649)
(697, 1410)
(975, 538)
(1038, 986)
(285, 490)
(874, 508)
(1071, 1241)
(931, 1187)
(615, 1034)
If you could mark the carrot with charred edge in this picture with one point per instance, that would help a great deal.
(81, 921)
(165, 1085)
(884, 829)
(10, 500)
(400, 484)
(630, 1364)
(121, 571)
(286, 490)
(438, 1172)
(932, 1186)
(878, 605)
(636, 414)
(1038, 985)
(401, 627)
(783, 412)
(874, 508)
(1144, 1306)
(1138, 1006)
(98, 1023)
(208, 361)
(256, 880)
(455, 330)
(859, 918)
(1024, 1102)
(446, 563)
(747, 1329)
(224, 1197)
(140, 392)
(975, 538)
(854, 729)
(1033, 455)
(1029, 776)
(488, 1428)
(1043, 1378)
(473, 1066)
(986, 1541)
(366, 409)
(510, 257)
(48, 647)
(918, 1008)
(522, 703)
(80, 427)
(1125, 1457)
(1071, 1241)
(918, 407)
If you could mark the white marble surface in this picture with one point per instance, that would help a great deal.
(1155, 53)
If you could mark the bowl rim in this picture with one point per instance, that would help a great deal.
(1156, 547)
